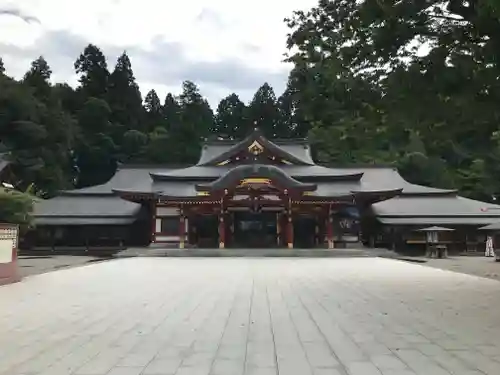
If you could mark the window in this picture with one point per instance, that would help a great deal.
(170, 225)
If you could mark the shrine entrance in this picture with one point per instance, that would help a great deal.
(204, 231)
(304, 227)
(255, 230)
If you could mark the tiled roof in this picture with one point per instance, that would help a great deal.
(435, 210)
(67, 209)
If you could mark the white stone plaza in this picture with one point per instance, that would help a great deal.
(259, 316)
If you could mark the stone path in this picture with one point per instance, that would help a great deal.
(159, 316)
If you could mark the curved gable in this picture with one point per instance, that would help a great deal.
(254, 145)
(259, 173)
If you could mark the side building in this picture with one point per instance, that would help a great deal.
(257, 193)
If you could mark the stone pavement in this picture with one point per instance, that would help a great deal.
(259, 316)
(33, 265)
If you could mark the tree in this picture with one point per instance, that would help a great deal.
(16, 208)
(38, 78)
(96, 153)
(134, 146)
(230, 118)
(38, 138)
(152, 102)
(124, 97)
(171, 111)
(195, 120)
(67, 96)
(59, 129)
(154, 110)
(93, 70)
(2, 67)
(263, 111)
(292, 117)
(195, 111)
(158, 144)
(363, 72)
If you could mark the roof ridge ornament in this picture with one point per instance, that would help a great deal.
(256, 148)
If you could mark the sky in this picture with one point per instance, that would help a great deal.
(223, 46)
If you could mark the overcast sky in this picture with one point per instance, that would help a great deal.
(223, 46)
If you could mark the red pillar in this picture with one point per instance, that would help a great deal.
(153, 221)
(329, 230)
(222, 232)
(182, 229)
(278, 229)
(289, 230)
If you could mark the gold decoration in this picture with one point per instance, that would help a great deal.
(256, 148)
(255, 180)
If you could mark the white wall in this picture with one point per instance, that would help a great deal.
(167, 211)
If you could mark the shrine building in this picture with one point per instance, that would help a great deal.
(255, 192)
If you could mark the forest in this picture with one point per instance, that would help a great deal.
(405, 83)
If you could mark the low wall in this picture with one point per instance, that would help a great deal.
(9, 271)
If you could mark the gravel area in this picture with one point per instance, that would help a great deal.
(471, 265)
(34, 265)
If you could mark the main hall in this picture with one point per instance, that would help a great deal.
(256, 192)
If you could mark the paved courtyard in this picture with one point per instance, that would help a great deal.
(33, 265)
(195, 316)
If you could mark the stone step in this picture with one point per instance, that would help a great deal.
(283, 252)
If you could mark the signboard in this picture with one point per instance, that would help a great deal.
(8, 242)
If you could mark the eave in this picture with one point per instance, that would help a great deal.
(162, 177)
(429, 194)
(136, 196)
(367, 198)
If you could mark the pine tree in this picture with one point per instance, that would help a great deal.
(230, 118)
(171, 111)
(124, 97)
(93, 70)
(195, 110)
(196, 118)
(154, 111)
(38, 78)
(152, 102)
(263, 111)
(96, 152)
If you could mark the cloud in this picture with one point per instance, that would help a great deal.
(207, 15)
(168, 62)
(164, 64)
(17, 13)
(222, 46)
(59, 48)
